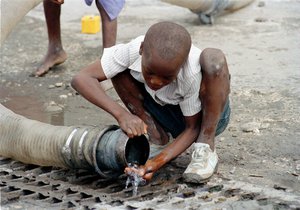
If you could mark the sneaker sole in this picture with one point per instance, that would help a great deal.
(197, 181)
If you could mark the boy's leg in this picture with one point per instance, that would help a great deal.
(55, 54)
(109, 28)
(131, 93)
(214, 91)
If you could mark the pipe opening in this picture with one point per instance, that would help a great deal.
(114, 151)
(137, 150)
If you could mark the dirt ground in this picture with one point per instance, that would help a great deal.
(261, 144)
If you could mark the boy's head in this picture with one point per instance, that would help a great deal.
(165, 48)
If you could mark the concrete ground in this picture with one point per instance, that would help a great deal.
(260, 150)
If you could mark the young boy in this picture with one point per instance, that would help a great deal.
(169, 86)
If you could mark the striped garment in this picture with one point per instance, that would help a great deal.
(183, 91)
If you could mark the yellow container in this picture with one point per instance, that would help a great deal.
(90, 24)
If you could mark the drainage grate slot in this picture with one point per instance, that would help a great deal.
(84, 195)
(4, 160)
(55, 186)
(232, 192)
(70, 191)
(11, 189)
(3, 173)
(55, 200)
(46, 169)
(116, 203)
(3, 184)
(14, 176)
(98, 200)
(71, 205)
(16, 166)
(60, 174)
(27, 192)
(41, 196)
(248, 196)
(30, 167)
(42, 183)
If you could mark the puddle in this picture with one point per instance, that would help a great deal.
(30, 107)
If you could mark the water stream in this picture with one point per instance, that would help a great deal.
(134, 179)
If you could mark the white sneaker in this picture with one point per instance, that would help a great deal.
(203, 164)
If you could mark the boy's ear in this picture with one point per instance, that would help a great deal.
(141, 48)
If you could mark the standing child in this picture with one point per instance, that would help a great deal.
(109, 11)
(168, 86)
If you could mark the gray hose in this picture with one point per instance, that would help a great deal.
(12, 12)
(106, 151)
(208, 9)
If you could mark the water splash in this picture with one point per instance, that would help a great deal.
(134, 179)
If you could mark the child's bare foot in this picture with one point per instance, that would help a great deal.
(51, 59)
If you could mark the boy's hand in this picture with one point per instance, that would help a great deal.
(143, 171)
(58, 1)
(132, 125)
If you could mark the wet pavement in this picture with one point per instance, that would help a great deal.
(259, 152)
(31, 107)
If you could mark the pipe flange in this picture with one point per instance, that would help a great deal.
(107, 174)
(66, 150)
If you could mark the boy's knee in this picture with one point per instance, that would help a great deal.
(212, 61)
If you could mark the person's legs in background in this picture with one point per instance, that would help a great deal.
(55, 54)
(109, 27)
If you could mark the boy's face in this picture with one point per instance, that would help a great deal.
(158, 72)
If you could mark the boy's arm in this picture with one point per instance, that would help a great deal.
(58, 1)
(86, 82)
(182, 142)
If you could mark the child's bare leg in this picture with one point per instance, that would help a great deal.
(109, 28)
(129, 91)
(55, 54)
(214, 91)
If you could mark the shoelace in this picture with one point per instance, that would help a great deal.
(200, 155)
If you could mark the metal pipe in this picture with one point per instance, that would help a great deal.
(107, 151)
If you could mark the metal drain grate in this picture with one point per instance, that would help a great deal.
(32, 187)
(56, 187)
